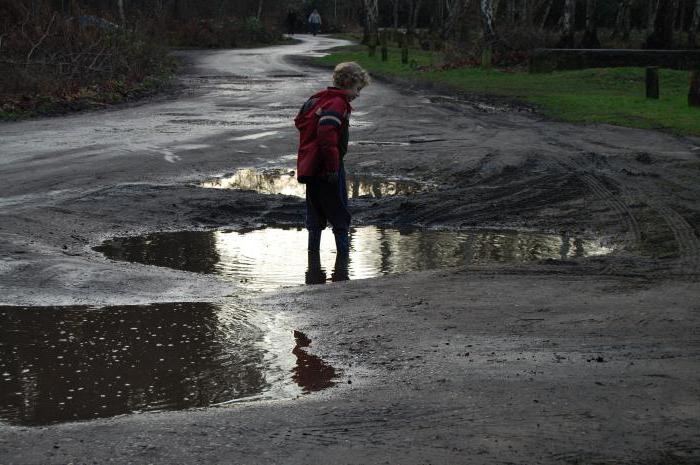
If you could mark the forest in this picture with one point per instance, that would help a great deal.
(104, 51)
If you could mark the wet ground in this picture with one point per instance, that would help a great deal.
(520, 289)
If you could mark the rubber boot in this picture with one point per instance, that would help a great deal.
(342, 242)
(314, 240)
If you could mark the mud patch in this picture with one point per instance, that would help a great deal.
(78, 363)
(283, 181)
(270, 258)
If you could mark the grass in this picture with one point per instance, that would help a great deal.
(601, 95)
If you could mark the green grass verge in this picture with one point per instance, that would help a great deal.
(601, 95)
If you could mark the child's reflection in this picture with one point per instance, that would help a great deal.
(311, 373)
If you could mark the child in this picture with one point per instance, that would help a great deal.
(323, 124)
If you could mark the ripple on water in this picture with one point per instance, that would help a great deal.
(269, 258)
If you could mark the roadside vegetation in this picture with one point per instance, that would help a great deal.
(484, 47)
(59, 56)
(600, 95)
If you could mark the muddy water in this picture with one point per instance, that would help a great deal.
(281, 181)
(265, 259)
(78, 363)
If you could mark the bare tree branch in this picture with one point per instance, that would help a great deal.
(48, 29)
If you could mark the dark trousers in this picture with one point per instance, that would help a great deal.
(327, 202)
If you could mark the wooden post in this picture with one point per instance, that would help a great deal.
(486, 57)
(653, 82)
(694, 91)
(385, 50)
(404, 50)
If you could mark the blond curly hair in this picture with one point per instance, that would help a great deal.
(347, 74)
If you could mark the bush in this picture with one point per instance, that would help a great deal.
(220, 33)
(49, 58)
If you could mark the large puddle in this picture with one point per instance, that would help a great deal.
(281, 181)
(78, 363)
(265, 259)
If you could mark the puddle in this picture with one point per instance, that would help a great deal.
(78, 363)
(270, 258)
(281, 181)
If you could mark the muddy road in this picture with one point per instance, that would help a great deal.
(521, 290)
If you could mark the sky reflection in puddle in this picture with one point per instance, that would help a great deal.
(78, 363)
(282, 181)
(266, 259)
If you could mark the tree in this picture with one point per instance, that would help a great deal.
(568, 19)
(371, 17)
(623, 22)
(661, 36)
(590, 36)
(455, 9)
(545, 15)
(695, 25)
(487, 22)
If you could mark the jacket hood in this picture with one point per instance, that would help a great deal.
(333, 92)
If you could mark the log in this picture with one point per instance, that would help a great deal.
(652, 80)
(546, 60)
(694, 91)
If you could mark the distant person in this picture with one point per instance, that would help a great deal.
(315, 22)
(323, 124)
(291, 22)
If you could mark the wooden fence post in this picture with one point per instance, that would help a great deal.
(372, 45)
(404, 50)
(385, 50)
(486, 57)
(694, 91)
(652, 82)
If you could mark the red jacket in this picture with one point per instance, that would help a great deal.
(323, 123)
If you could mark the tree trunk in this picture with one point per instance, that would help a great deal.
(372, 14)
(590, 37)
(122, 16)
(526, 13)
(567, 22)
(652, 8)
(414, 14)
(623, 22)
(695, 25)
(487, 22)
(510, 11)
(260, 7)
(454, 13)
(680, 21)
(661, 36)
(396, 14)
(545, 15)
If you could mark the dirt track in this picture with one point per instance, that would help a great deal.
(588, 361)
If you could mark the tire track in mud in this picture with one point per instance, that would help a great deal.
(611, 200)
(688, 261)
